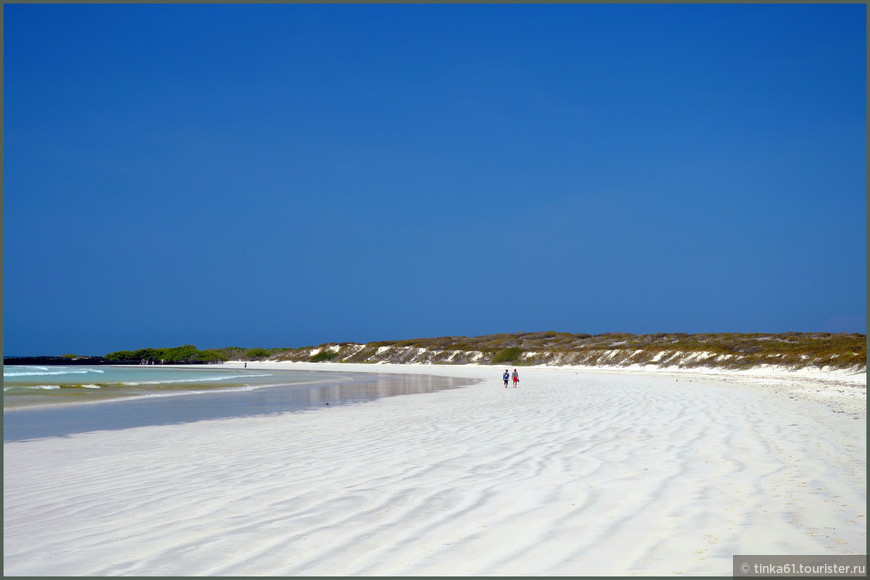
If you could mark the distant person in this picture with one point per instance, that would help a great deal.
(506, 376)
(516, 377)
(246, 365)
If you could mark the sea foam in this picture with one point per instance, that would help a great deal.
(43, 372)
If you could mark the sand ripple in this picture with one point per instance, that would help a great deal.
(571, 474)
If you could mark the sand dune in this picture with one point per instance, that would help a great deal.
(573, 473)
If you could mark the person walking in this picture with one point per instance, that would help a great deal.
(516, 378)
(506, 376)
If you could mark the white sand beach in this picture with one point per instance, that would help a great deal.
(576, 472)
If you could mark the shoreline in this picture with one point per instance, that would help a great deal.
(572, 473)
(187, 389)
(290, 394)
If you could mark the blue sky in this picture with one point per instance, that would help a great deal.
(286, 175)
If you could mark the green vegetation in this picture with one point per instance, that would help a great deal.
(210, 356)
(324, 356)
(507, 355)
(731, 350)
(258, 353)
(728, 350)
(185, 354)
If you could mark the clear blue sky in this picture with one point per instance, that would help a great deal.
(285, 175)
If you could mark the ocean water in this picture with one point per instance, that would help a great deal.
(28, 386)
(53, 401)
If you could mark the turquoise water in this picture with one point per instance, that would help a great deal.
(27, 386)
(41, 402)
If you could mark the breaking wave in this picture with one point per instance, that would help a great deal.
(45, 372)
